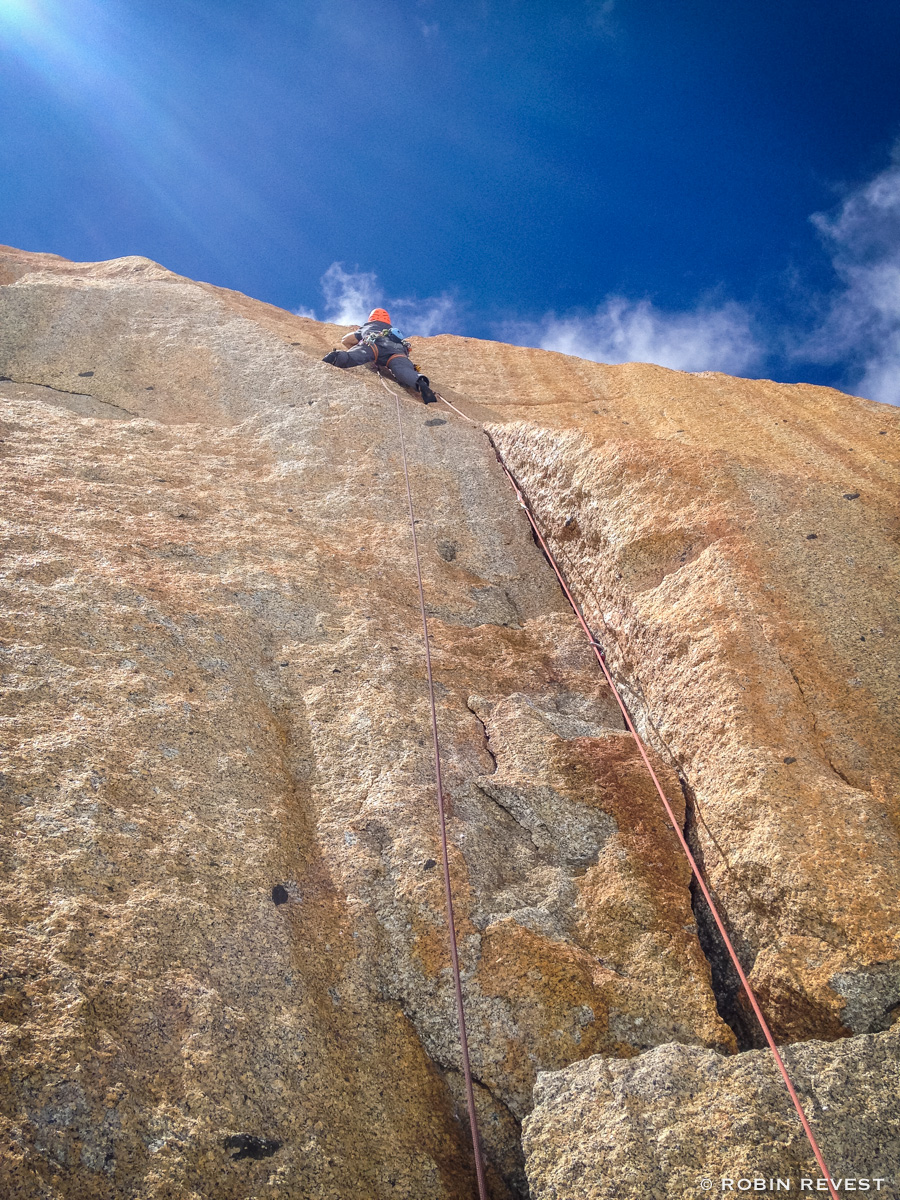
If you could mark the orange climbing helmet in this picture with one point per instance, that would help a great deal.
(379, 314)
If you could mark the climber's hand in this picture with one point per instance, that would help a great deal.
(331, 358)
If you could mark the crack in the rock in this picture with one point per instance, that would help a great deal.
(484, 734)
(67, 392)
(517, 1183)
(511, 814)
(815, 724)
(50, 388)
(724, 980)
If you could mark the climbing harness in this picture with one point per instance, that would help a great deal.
(445, 854)
(374, 335)
(720, 925)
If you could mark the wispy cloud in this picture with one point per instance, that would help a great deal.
(863, 321)
(718, 338)
(351, 295)
(600, 17)
(857, 323)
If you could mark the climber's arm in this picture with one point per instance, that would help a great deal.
(350, 339)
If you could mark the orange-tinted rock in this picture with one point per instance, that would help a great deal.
(228, 972)
(762, 660)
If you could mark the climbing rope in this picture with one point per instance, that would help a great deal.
(598, 652)
(720, 925)
(448, 893)
(455, 409)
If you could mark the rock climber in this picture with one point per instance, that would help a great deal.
(379, 343)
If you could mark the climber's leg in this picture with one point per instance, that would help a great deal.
(350, 358)
(404, 372)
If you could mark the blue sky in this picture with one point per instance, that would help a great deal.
(707, 185)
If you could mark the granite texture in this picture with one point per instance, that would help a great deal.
(222, 908)
(224, 956)
(681, 1122)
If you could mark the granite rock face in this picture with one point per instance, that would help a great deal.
(749, 608)
(225, 967)
(677, 1119)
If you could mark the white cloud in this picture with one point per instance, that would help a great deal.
(435, 314)
(863, 323)
(351, 295)
(621, 330)
(860, 325)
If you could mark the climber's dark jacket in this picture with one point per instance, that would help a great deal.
(386, 346)
(387, 351)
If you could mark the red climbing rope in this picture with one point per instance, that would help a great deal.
(455, 409)
(763, 1024)
(684, 845)
(448, 894)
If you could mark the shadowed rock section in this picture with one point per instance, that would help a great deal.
(225, 967)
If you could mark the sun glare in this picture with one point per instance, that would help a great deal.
(17, 13)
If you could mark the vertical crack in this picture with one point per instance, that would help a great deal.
(484, 734)
(726, 985)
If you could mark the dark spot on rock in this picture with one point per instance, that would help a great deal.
(6, 379)
(882, 431)
(149, 389)
(279, 894)
(436, 421)
(290, 510)
(429, 864)
(851, 495)
(862, 637)
(248, 1146)
(447, 551)
(284, 664)
(85, 374)
(569, 521)
(811, 537)
(789, 760)
(309, 404)
(295, 343)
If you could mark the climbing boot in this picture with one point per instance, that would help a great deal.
(331, 358)
(428, 396)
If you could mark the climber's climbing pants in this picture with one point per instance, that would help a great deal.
(399, 365)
